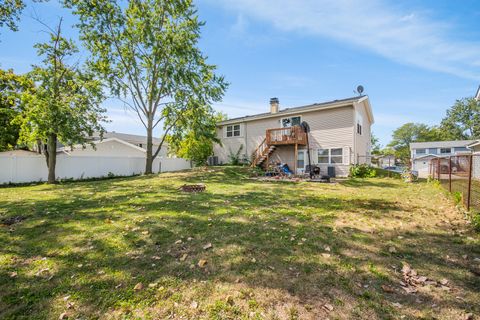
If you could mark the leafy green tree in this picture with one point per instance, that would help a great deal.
(10, 11)
(65, 104)
(12, 87)
(196, 144)
(147, 51)
(462, 121)
(375, 143)
(412, 132)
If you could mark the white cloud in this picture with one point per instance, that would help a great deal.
(406, 37)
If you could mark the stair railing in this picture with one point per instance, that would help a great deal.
(259, 152)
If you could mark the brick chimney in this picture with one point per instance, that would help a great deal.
(274, 104)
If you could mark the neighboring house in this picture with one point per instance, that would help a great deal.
(477, 95)
(475, 147)
(137, 140)
(340, 132)
(386, 161)
(109, 147)
(421, 153)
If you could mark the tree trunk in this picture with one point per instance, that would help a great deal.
(52, 157)
(149, 161)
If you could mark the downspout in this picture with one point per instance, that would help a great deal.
(354, 151)
(245, 137)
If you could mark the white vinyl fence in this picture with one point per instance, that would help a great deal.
(21, 169)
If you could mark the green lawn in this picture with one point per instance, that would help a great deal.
(130, 248)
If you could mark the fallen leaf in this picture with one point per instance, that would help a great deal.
(207, 246)
(387, 288)
(392, 250)
(138, 286)
(156, 258)
(327, 248)
(396, 304)
(254, 260)
(202, 263)
(326, 255)
(183, 257)
(63, 316)
(178, 242)
(152, 285)
(194, 305)
(230, 300)
(444, 282)
(13, 274)
(327, 307)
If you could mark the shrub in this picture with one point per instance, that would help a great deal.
(476, 221)
(236, 159)
(362, 171)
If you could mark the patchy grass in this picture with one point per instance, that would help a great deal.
(279, 250)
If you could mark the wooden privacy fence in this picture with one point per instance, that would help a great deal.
(459, 174)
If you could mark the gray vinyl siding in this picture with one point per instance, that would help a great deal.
(363, 141)
(330, 128)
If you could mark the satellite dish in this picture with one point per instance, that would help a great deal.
(360, 90)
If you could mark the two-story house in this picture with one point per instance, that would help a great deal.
(339, 136)
(421, 153)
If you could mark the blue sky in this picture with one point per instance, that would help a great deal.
(414, 58)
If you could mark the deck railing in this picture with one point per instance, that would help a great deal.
(284, 136)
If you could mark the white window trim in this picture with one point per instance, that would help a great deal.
(294, 116)
(330, 156)
(233, 136)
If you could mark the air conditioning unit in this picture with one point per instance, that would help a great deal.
(213, 161)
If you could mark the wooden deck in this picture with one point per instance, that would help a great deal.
(286, 136)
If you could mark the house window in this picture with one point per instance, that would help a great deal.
(233, 131)
(461, 149)
(301, 159)
(336, 155)
(292, 121)
(323, 156)
(433, 151)
(330, 156)
(445, 150)
(140, 145)
(359, 128)
(359, 123)
(421, 151)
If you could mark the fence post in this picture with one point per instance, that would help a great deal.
(450, 174)
(469, 190)
(438, 169)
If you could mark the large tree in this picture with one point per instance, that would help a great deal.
(462, 120)
(412, 132)
(64, 106)
(196, 143)
(12, 86)
(10, 11)
(147, 51)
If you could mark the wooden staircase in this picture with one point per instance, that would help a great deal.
(262, 153)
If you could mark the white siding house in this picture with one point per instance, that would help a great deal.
(340, 133)
(421, 153)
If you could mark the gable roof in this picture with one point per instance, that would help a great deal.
(307, 108)
(440, 144)
(79, 146)
(474, 143)
(133, 138)
(477, 96)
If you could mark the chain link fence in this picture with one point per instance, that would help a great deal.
(459, 175)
